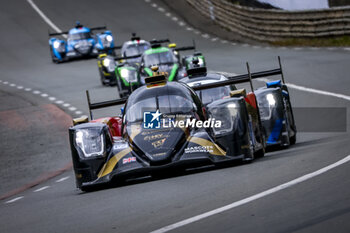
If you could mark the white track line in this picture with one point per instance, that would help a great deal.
(62, 179)
(59, 102)
(14, 199)
(45, 18)
(41, 189)
(252, 198)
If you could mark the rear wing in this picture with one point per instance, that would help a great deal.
(66, 32)
(193, 47)
(104, 104)
(98, 28)
(58, 33)
(231, 80)
(127, 57)
(244, 78)
(161, 41)
(107, 49)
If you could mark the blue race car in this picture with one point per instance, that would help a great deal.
(80, 43)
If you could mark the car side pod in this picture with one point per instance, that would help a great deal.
(233, 134)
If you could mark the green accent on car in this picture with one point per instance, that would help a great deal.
(173, 72)
(156, 50)
(148, 71)
(126, 83)
(189, 60)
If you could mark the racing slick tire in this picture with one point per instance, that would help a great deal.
(53, 57)
(120, 90)
(102, 78)
(261, 153)
(249, 158)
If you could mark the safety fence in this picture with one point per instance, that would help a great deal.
(274, 25)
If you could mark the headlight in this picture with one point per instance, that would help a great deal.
(227, 114)
(200, 61)
(56, 44)
(271, 99)
(90, 141)
(128, 75)
(106, 62)
(124, 73)
(109, 38)
(268, 103)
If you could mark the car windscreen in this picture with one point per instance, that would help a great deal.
(209, 95)
(166, 104)
(79, 36)
(135, 49)
(159, 58)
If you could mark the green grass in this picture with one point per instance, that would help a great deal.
(316, 42)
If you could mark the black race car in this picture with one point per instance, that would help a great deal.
(197, 75)
(164, 125)
(108, 65)
(276, 112)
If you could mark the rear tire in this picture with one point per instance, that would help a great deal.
(260, 153)
(251, 157)
(121, 95)
(293, 139)
(102, 78)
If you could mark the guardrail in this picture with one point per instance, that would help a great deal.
(274, 25)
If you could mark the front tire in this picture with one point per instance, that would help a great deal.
(53, 57)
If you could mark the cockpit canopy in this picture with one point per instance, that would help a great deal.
(159, 56)
(172, 98)
(133, 48)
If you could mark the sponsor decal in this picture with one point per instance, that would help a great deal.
(159, 154)
(158, 143)
(153, 120)
(129, 160)
(199, 149)
(155, 137)
(120, 146)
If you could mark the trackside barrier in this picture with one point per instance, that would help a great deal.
(273, 25)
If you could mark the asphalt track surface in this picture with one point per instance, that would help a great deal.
(320, 204)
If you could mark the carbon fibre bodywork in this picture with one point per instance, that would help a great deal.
(80, 43)
(99, 155)
(276, 114)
